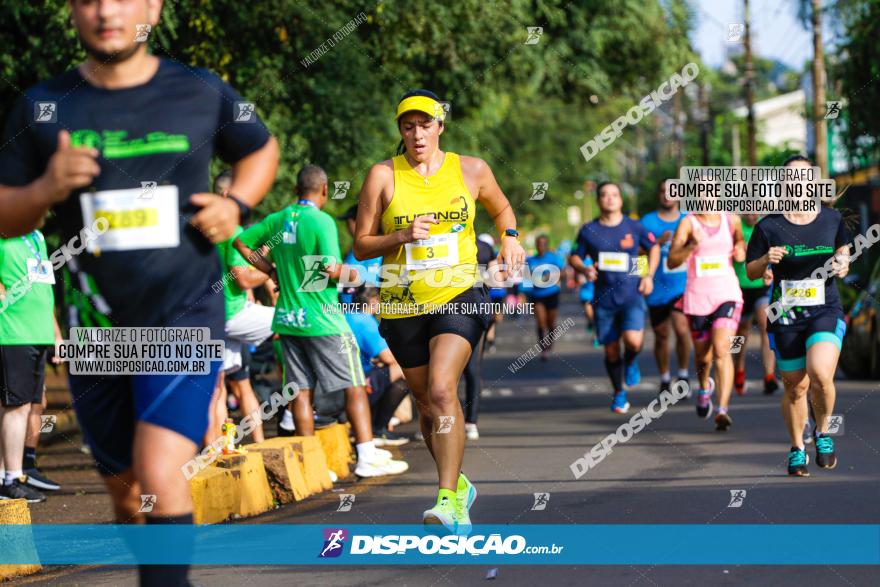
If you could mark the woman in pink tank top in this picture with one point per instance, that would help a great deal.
(709, 243)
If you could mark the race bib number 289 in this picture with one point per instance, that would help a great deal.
(133, 221)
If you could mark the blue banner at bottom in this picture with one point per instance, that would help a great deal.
(282, 544)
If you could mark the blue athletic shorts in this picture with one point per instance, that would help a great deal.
(108, 407)
(587, 293)
(791, 346)
(611, 322)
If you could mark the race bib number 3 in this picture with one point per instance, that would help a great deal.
(616, 262)
(430, 253)
(713, 265)
(133, 221)
(804, 292)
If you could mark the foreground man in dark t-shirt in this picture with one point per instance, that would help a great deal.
(84, 144)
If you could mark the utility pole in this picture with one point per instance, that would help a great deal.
(819, 127)
(734, 139)
(750, 85)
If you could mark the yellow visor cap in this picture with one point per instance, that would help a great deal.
(429, 106)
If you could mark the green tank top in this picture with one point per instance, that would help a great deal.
(740, 268)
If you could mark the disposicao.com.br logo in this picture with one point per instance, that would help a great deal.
(402, 544)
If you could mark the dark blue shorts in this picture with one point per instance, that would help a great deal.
(108, 407)
(611, 322)
(791, 346)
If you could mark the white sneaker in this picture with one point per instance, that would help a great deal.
(382, 454)
(378, 467)
(470, 430)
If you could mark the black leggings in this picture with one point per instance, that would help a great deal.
(473, 382)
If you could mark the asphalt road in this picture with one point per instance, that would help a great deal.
(535, 422)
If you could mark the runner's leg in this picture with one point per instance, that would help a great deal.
(682, 342)
(417, 379)
(661, 349)
(794, 405)
(449, 355)
(821, 364)
(766, 352)
(723, 365)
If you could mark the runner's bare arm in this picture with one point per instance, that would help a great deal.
(739, 241)
(756, 268)
(252, 178)
(841, 262)
(248, 277)
(497, 205)
(69, 168)
(368, 243)
(682, 245)
(253, 257)
(653, 260)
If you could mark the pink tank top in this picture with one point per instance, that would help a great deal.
(711, 280)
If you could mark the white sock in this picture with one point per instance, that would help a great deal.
(11, 476)
(287, 421)
(683, 374)
(366, 450)
(665, 377)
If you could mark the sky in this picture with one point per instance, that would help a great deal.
(777, 33)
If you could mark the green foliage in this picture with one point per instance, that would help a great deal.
(859, 73)
(526, 109)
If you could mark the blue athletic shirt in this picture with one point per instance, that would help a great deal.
(547, 258)
(614, 289)
(367, 270)
(366, 331)
(668, 285)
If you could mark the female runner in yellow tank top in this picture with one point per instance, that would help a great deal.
(417, 211)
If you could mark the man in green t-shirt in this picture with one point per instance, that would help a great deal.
(316, 340)
(756, 296)
(27, 330)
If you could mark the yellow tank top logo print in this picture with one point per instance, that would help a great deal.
(425, 274)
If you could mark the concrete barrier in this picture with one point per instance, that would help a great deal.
(243, 485)
(15, 511)
(256, 497)
(285, 469)
(216, 495)
(337, 449)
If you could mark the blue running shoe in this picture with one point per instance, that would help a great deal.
(797, 463)
(633, 375)
(825, 456)
(620, 405)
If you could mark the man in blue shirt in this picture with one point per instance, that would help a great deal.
(622, 278)
(545, 269)
(664, 305)
(385, 384)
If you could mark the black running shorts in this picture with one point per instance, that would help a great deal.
(408, 338)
